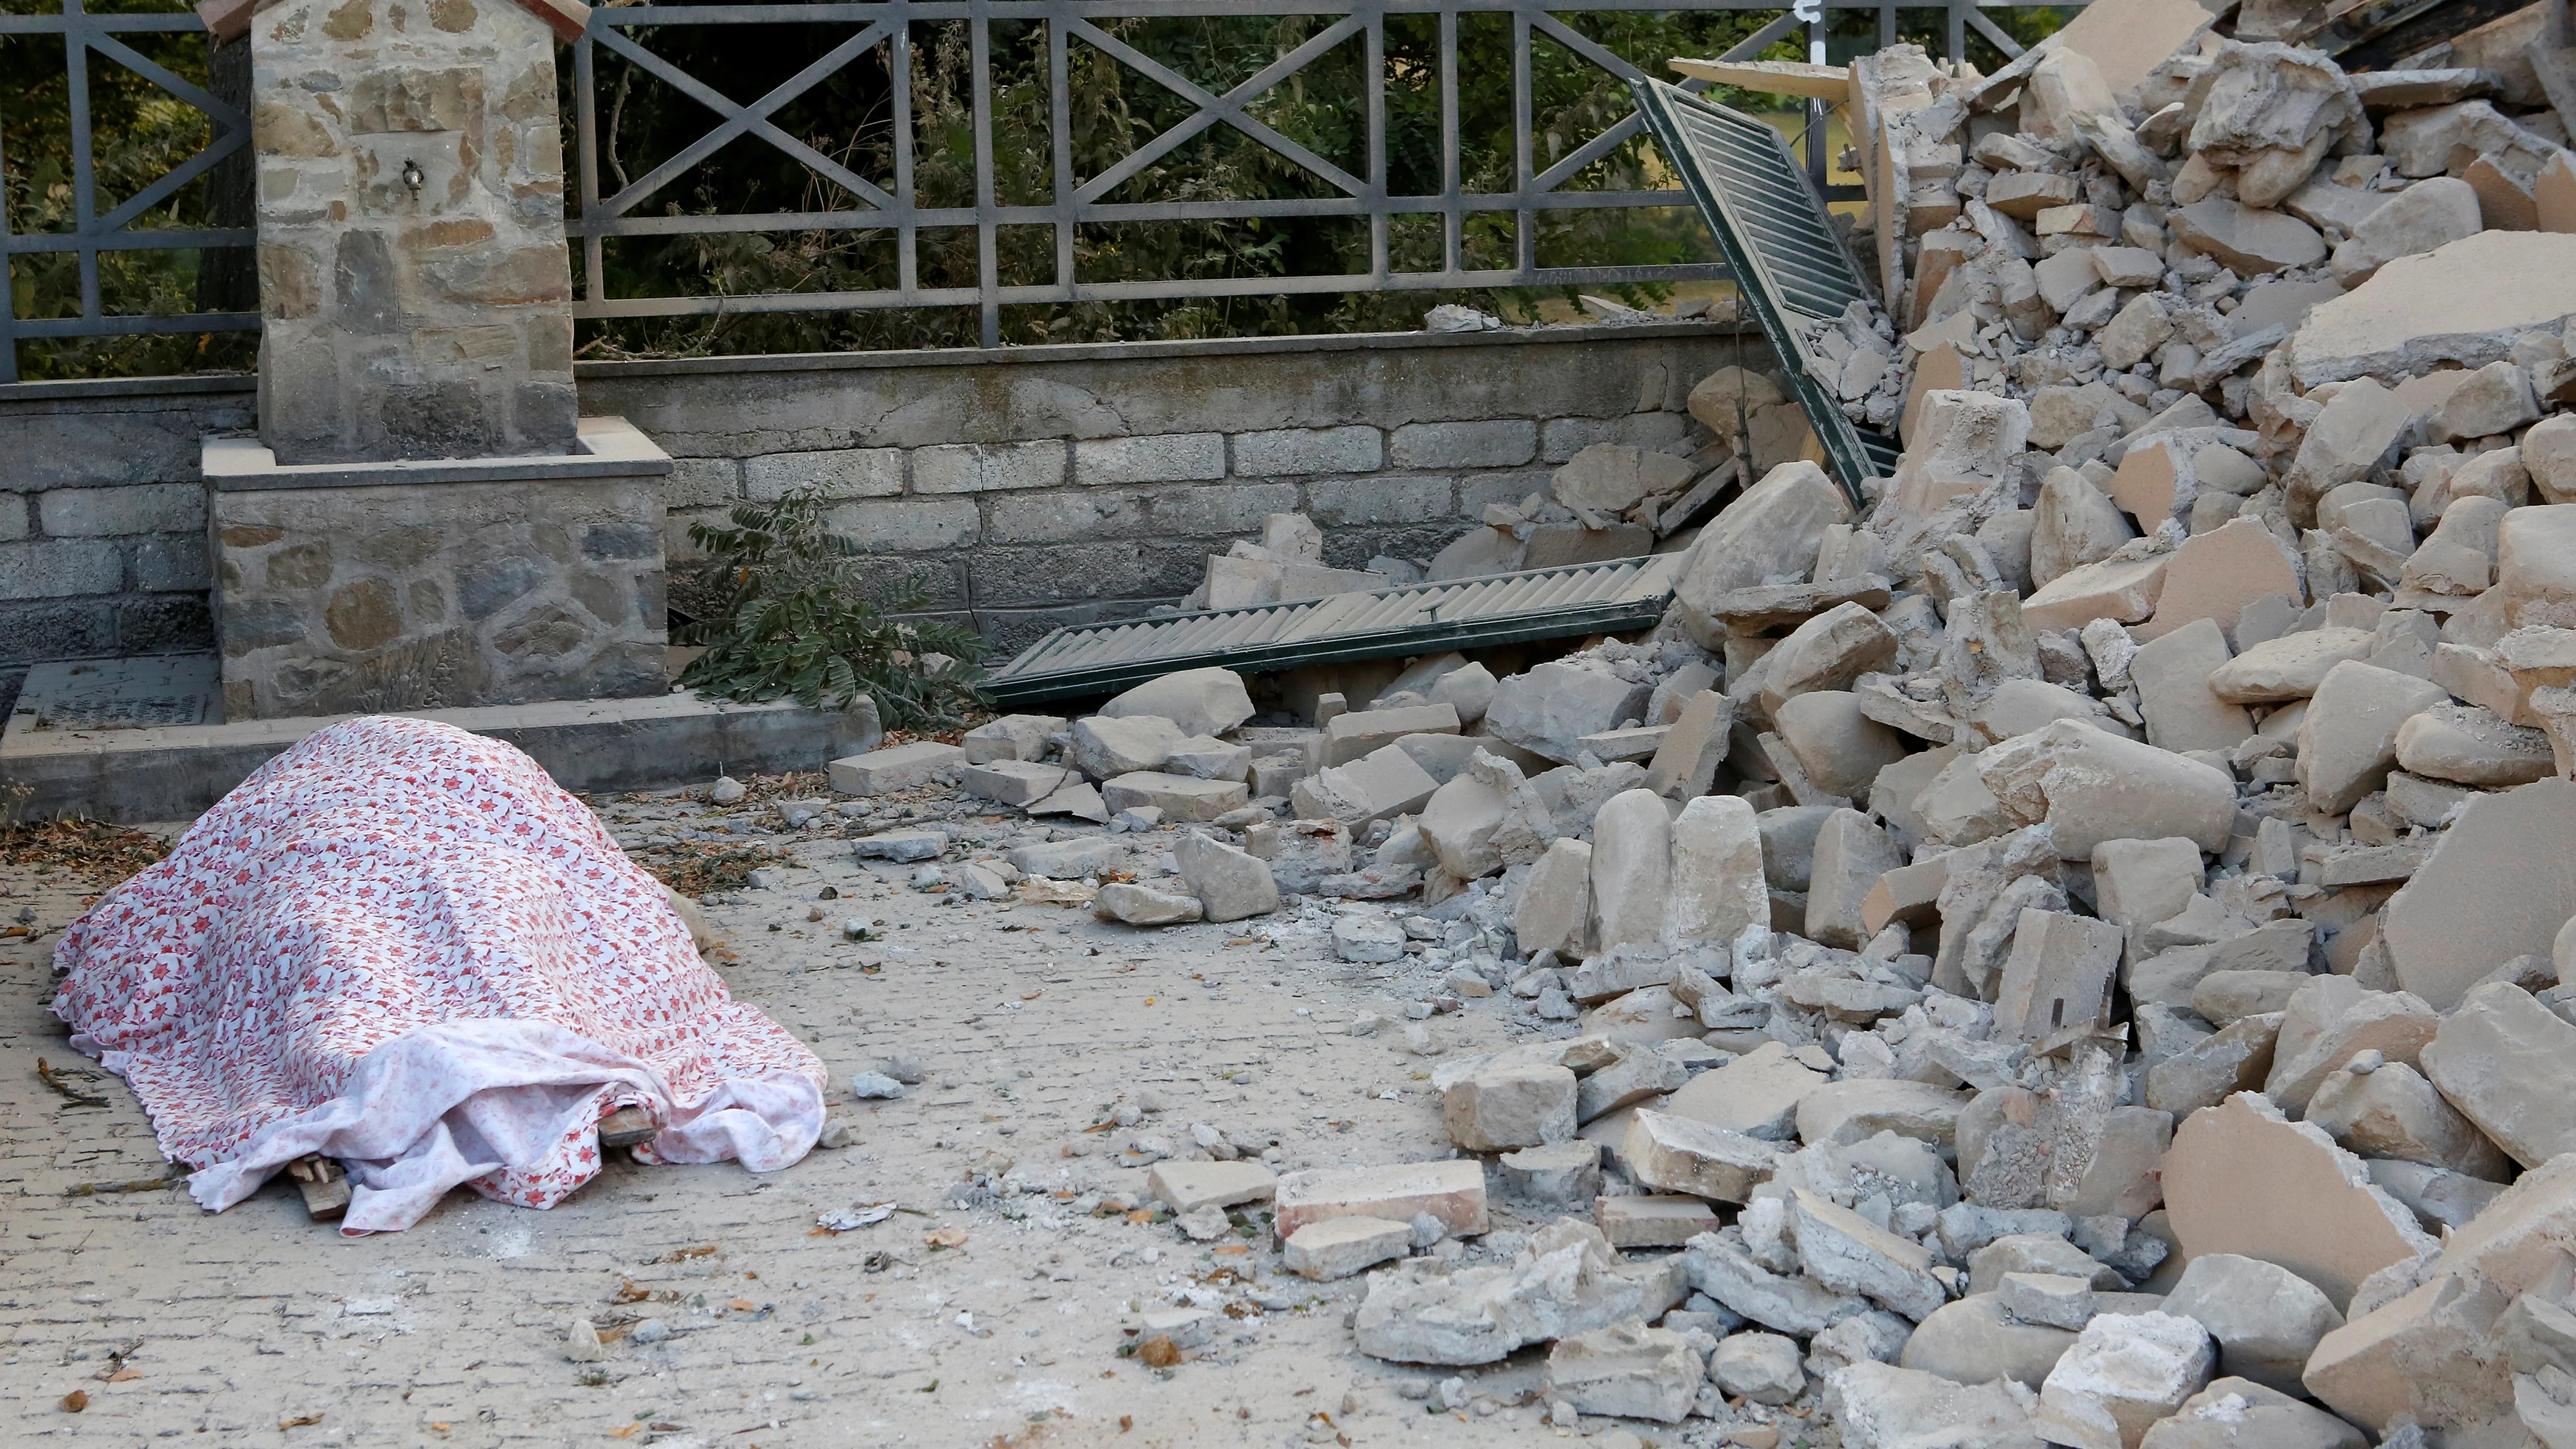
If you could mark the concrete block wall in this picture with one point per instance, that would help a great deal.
(103, 520)
(1022, 489)
(1041, 486)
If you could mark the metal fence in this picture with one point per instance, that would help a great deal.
(124, 225)
(600, 216)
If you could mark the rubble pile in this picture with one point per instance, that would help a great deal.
(2071, 953)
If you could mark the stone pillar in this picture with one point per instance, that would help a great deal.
(425, 521)
(415, 290)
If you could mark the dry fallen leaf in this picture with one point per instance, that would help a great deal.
(75, 1401)
(624, 1432)
(1159, 1351)
(742, 1305)
(124, 1376)
(300, 1421)
(945, 1237)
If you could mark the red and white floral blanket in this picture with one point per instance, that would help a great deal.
(403, 946)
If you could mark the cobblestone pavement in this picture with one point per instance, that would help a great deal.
(256, 1327)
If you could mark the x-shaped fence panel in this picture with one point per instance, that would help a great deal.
(1074, 203)
(82, 35)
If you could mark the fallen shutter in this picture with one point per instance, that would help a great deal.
(1789, 265)
(1595, 598)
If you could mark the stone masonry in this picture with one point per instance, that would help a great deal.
(373, 595)
(414, 284)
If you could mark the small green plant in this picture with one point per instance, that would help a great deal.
(795, 616)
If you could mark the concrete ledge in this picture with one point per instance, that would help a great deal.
(125, 776)
(611, 448)
(1055, 352)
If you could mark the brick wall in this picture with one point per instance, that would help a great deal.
(1042, 486)
(1024, 489)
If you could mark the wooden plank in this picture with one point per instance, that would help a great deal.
(1776, 77)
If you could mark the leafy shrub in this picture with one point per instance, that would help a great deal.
(793, 617)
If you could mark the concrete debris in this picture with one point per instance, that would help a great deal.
(2133, 851)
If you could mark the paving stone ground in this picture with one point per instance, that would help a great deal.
(1030, 1022)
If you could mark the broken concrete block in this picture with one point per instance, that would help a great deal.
(2121, 590)
(1066, 859)
(1560, 1174)
(1847, 1253)
(1851, 853)
(2380, 1365)
(1881, 1406)
(2182, 711)
(1770, 534)
(2507, 1063)
(1367, 939)
(2215, 575)
(1142, 905)
(2122, 1374)
(1186, 1187)
(1628, 1370)
(1573, 1284)
(2499, 884)
(1959, 446)
(1104, 748)
(1199, 701)
(1205, 758)
(2074, 524)
(2442, 306)
(1342, 1247)
(1976, 1341)
(2238, 1413)
(1685, 762)
(1013, 782)
(2424, 216)
(1453, 1192)
(1180, 798)
(902, 846)
(1350, 736)
(1716, 885)
(2244, 240)
(2330, 1019)
(1658, 1221)
(1674, 1153)
(1828, 651)
(1548, 710)
(1502, 1108)
(2057, 1300)
(2267, 1319)
(1379, 786)
(2392, 1111)
(1762, 1367)
(1012, 737)
(1231, 884)
(896, 767)
(2289, 667)
(2348, 742)
(1838, 747)
(2534, 571)
(2089, 786)
(1856, 1110)
(2471, 746)
(1459, 822)
(2243, 1179)
(1631, 869)
(1756, 1095)
(2059, 975)
(2141, 882)
(1555, 909)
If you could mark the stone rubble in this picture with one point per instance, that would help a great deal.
(2070, 952)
